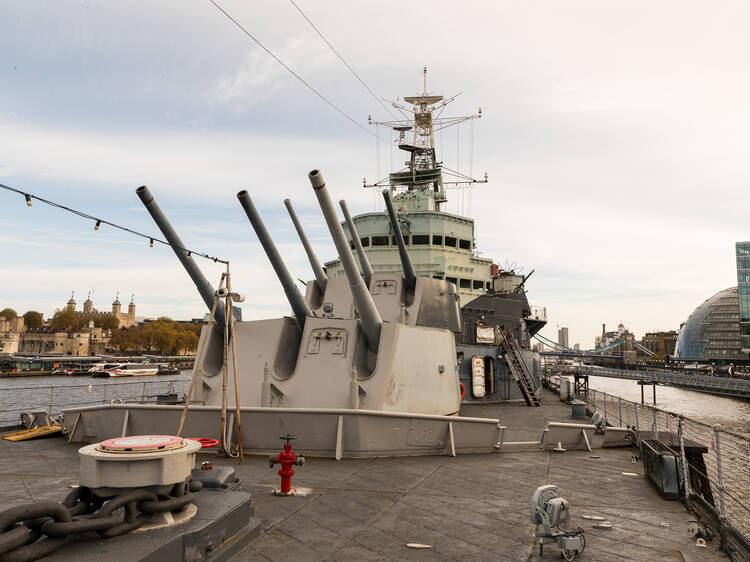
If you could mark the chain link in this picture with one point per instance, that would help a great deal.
(32, 531)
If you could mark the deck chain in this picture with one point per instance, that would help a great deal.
(34, 530)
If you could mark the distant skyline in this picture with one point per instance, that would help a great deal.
(614, 137)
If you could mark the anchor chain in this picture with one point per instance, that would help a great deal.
(34, 530)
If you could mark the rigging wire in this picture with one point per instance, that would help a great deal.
(98, 222)
(380, 101)
(288, 69)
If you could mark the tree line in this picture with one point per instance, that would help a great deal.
(163, 336)
(31, 319)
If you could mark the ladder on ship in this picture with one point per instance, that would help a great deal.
(517, 365)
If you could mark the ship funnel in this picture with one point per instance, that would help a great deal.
(299, 306)
(321, 278)
(410, 276)
(371, 321)
(367, 272)
(205, 288)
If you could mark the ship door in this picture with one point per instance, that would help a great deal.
(477, 376)
(489, 375)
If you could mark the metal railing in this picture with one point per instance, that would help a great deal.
(716, 385)
(726, 468)
(54, 398)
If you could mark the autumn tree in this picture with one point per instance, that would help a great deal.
(33, 319)
(105, 321)
(8, 313)
(65, 320)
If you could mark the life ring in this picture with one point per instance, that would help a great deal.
(463, 390)
(205, 441)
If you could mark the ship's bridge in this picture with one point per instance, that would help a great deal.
(441, 245)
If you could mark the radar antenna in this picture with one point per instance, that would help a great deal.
(422, 117)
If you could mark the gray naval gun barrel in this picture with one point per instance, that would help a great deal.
(299, 306)
(321, 279)
(410, 276)
(205, 288)
(371, 321)
(367, 272)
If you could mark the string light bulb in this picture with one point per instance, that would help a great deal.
(28, 199)
(190, 254)
(98, 224)
(151, 242)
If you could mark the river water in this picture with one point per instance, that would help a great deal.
(732, 414)
(22, 394)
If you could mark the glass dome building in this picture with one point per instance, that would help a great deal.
(712, 331)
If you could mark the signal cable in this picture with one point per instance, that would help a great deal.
(380, 101)
(288, 69)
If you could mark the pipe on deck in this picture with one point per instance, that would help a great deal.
(299, 306)
(321, 279)
(204, 287)
(367, 272)
(410, 276)
(368, 313)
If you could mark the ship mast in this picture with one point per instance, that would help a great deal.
(423, 171)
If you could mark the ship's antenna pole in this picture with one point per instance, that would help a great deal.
(425, 80)
(225, 373)
(234, 367)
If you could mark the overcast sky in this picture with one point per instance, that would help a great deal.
(615, 138)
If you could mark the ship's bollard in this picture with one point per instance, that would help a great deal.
(287, 459)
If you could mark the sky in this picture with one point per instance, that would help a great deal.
(614, 136)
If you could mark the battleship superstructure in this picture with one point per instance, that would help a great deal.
(442, 246)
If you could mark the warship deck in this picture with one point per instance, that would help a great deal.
(466, 507)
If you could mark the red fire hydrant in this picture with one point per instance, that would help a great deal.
(287, 459)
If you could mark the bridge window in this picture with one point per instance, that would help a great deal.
(379, 240)
(351, 244)
(452, 280)
(440, 277)
(464, 244)
(420, 239)
(406, 240)
(450, 241)
(478, 285)
(489, 285)
(464, 283)
(437, 240)
(365, 241)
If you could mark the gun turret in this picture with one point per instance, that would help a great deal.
(205, 288)
(299, 306)
(410, 276)
(320, 275)
(371, 321)
(367, 272)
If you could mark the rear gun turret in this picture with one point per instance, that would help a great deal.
(205, 288)
(299, 306)
(368, 313)
(410, 276)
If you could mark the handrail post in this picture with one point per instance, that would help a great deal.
(683, 460)
(720, 487)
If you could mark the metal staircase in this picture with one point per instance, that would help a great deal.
(516, 364)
